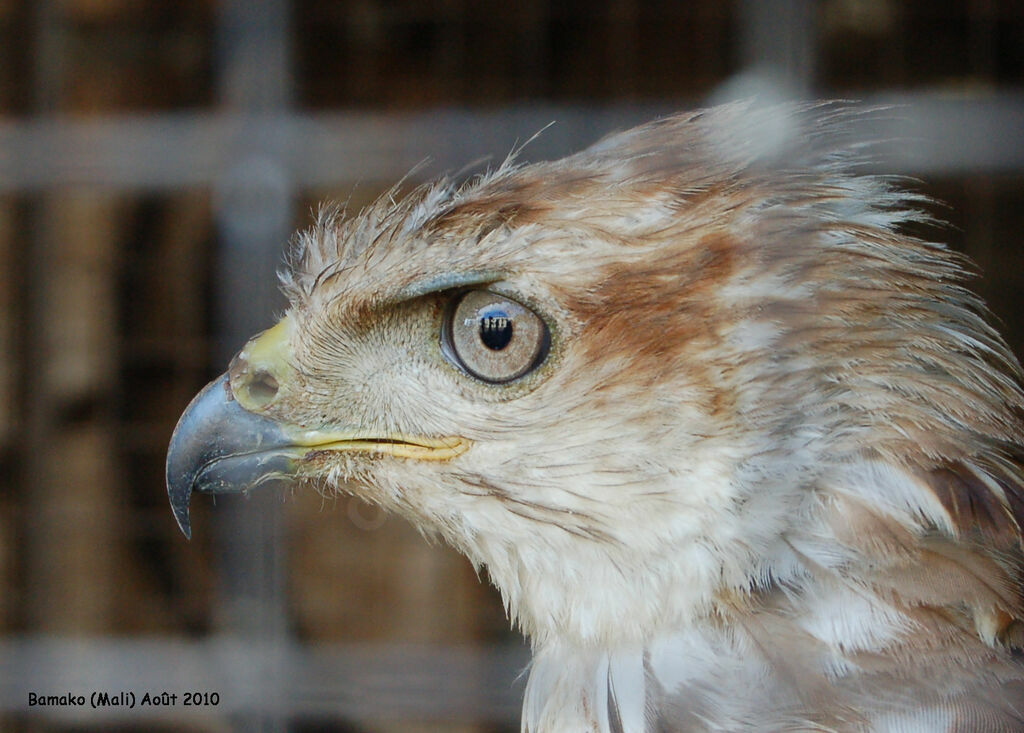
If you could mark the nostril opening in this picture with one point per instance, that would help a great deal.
(262, 388)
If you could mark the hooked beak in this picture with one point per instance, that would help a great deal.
(220, 447)
(223, 444)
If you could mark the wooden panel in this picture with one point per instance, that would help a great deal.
(164, 356)
(74, 503)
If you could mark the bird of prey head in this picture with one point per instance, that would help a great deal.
(738, 448)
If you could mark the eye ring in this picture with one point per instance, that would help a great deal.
(492, 337)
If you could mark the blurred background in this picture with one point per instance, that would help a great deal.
(154, 159)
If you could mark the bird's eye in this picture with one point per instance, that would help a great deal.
(494, 338)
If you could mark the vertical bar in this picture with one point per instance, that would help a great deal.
(73, 503)
(48, 57)
(623, 42)
(980, 188)
(533, 61)
(253, 212)
(778, 37)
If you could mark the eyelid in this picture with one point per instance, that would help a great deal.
(449, 281)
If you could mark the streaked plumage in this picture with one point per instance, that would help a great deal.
(766, 471)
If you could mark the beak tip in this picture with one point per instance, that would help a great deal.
(220, 447)
(179, 506)
(183, 523)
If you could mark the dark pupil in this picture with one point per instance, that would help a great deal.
(495, 330)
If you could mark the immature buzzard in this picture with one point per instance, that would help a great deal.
(740, 451)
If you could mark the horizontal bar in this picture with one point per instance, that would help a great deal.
(179, 151)
(931, 134)
(354, 682)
